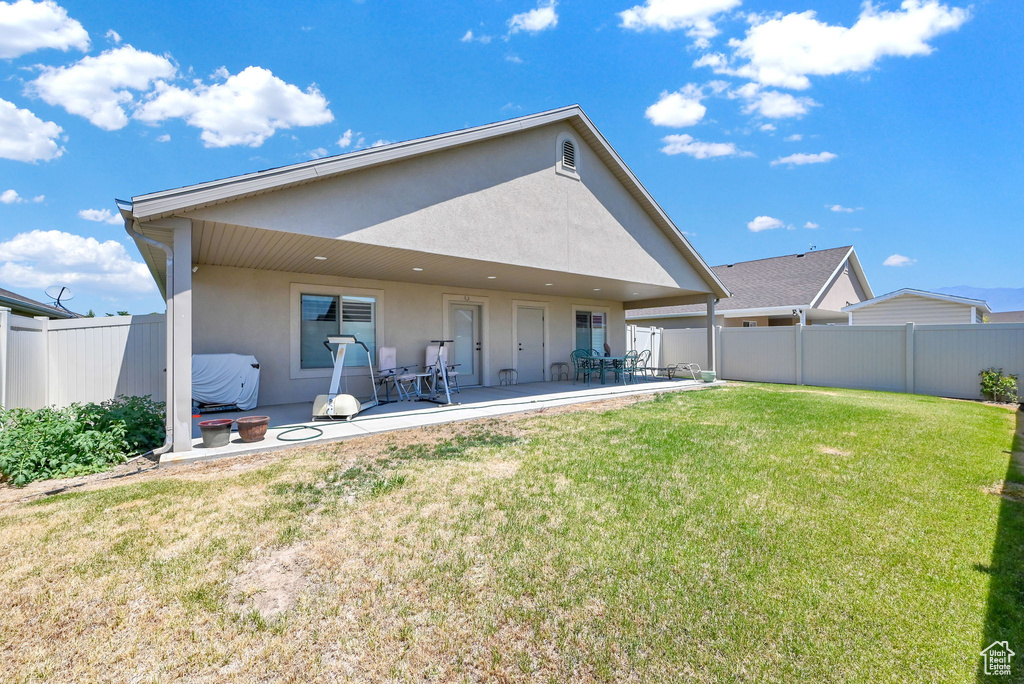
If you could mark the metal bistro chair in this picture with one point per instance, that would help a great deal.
(581, 365)
(628, 368)
(643, 364)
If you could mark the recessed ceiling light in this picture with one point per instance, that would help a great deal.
(320, 258)
(548, 284)
(636, 294)
(491, 277)
(416, 268)
(597, 289)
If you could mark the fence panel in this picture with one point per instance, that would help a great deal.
(948, 358)
(26, 362)
(684, 345)
(759, 354)
(95, 359)
(859, 357)
(642, 338)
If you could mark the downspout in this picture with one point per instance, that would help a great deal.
(129, 226)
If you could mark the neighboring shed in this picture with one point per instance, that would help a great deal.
(917, 306)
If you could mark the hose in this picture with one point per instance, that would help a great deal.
(295, 428)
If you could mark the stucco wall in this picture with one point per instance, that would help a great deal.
(912, 309)
(845, 289)
(248, 311)
(499, 200)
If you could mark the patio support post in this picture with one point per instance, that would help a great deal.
(712, 360)
(179, 320)
(5, 322)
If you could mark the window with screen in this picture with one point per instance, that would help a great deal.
(591, 329)
(324, 315)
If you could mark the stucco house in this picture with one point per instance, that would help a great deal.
(809, 288)
(917, 306)
(521, 240)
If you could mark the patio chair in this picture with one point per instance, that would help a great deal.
(643, 364)
(390, 374)
(581, 365)
(431, 363)
(628, 368)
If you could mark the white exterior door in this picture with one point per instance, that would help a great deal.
(465, 330)
(530, 344)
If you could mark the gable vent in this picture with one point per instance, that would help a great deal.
(568, 154)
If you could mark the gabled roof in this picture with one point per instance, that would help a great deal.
(907, 291)
(17, 302)
(793, 280)
(179, 201)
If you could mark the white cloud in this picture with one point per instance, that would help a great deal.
(113, 36)
(470, 37)
(764, 223)
(796, 137)
(99, 88)
(27, 26)
(43, 258)
(685, 144)
(767, 128)
(163, 138)
(771, 103)
(544, 17)
(694, 16)
(245, 109)
(11, 197)
(899, 260)
(317, 153)
(678, 109)
(39, 199)
(840, 209)
(100, 216)
(514, 59)
(25, 137)
(346, 139)
(800, 159)
(381, 142)
(784, 50)
(812, 225)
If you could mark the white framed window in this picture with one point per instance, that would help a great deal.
(749, 324)
(591, 327)
(319, 311)
(567, 156)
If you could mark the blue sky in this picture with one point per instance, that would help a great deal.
(895, 127)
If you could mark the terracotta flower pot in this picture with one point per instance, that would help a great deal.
(253, 428)
(216, 433)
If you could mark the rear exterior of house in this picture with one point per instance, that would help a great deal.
(810, 288)
(520, 241)
(917, 306)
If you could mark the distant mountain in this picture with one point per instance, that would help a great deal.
(998, 298)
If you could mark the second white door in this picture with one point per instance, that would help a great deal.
(530, 344)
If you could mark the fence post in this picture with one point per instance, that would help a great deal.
(5, 328)
(799, 353)
(718, 352)
(44, 323)
(909, 386)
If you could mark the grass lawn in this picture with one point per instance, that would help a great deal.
(752, 533)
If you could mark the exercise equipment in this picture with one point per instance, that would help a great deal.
(334, 405)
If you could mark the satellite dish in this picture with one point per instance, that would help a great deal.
(59, 294)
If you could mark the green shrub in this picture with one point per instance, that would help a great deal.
(77, 440)
(998, 386)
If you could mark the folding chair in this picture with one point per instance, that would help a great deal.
(391, 374)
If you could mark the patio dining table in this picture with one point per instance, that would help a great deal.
(604, 363)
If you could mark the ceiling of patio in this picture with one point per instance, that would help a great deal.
(220, 244)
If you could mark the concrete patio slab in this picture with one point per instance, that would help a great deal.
(474, 402)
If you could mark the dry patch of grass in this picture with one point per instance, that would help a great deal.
(1011, 491)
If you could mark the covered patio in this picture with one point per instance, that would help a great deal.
(470, 403)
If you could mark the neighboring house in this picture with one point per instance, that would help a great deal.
(917, 306)
(23, 306)
(810, 288)
(1005, 317)
(520, 240)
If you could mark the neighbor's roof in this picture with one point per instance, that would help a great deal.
(17, 302)
(793, 280)
(908, 291)
(180, 200)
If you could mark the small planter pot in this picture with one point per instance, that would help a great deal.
(253, 428)
(216, 433)
(708, 376)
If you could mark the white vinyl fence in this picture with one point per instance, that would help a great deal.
(60, 362)
(640, 338)
(940, 360)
